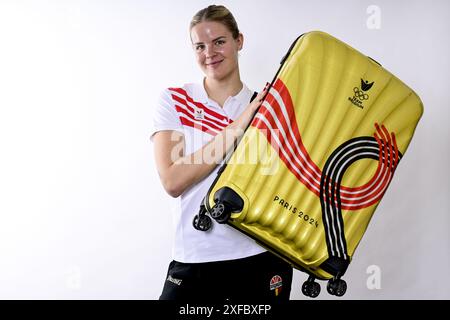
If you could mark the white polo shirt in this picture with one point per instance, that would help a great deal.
(189, 111)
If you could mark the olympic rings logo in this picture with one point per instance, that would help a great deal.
(359, 94)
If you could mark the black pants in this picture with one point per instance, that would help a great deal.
(263, 277)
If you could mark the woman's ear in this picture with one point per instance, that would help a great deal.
(240, 41)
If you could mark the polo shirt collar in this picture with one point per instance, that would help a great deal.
(242, 95)
(201, 95)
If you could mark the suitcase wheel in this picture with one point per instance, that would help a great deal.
(202, 222)
(310, 288)
(220, 212)
(337, 287)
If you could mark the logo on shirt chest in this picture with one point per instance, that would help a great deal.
(199, 114)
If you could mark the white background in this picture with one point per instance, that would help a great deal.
(82, 211)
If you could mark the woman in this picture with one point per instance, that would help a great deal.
(194, 128)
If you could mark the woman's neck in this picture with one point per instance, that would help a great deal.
(219, 91)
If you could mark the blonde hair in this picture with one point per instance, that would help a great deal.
(217, 13)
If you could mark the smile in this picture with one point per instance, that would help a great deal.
(213, 64)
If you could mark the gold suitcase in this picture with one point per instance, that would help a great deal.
(318, 156)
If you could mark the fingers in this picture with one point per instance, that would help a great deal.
(261, 95)
(259, 98)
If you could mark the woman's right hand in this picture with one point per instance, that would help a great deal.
(243, 121)
(256, 103)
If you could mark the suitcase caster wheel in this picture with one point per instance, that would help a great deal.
(220, 213)
(337, 287)
(202, 222)
(310, 288)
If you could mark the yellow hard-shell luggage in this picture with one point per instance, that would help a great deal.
(317, 158)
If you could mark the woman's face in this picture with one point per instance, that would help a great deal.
(215, 49)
